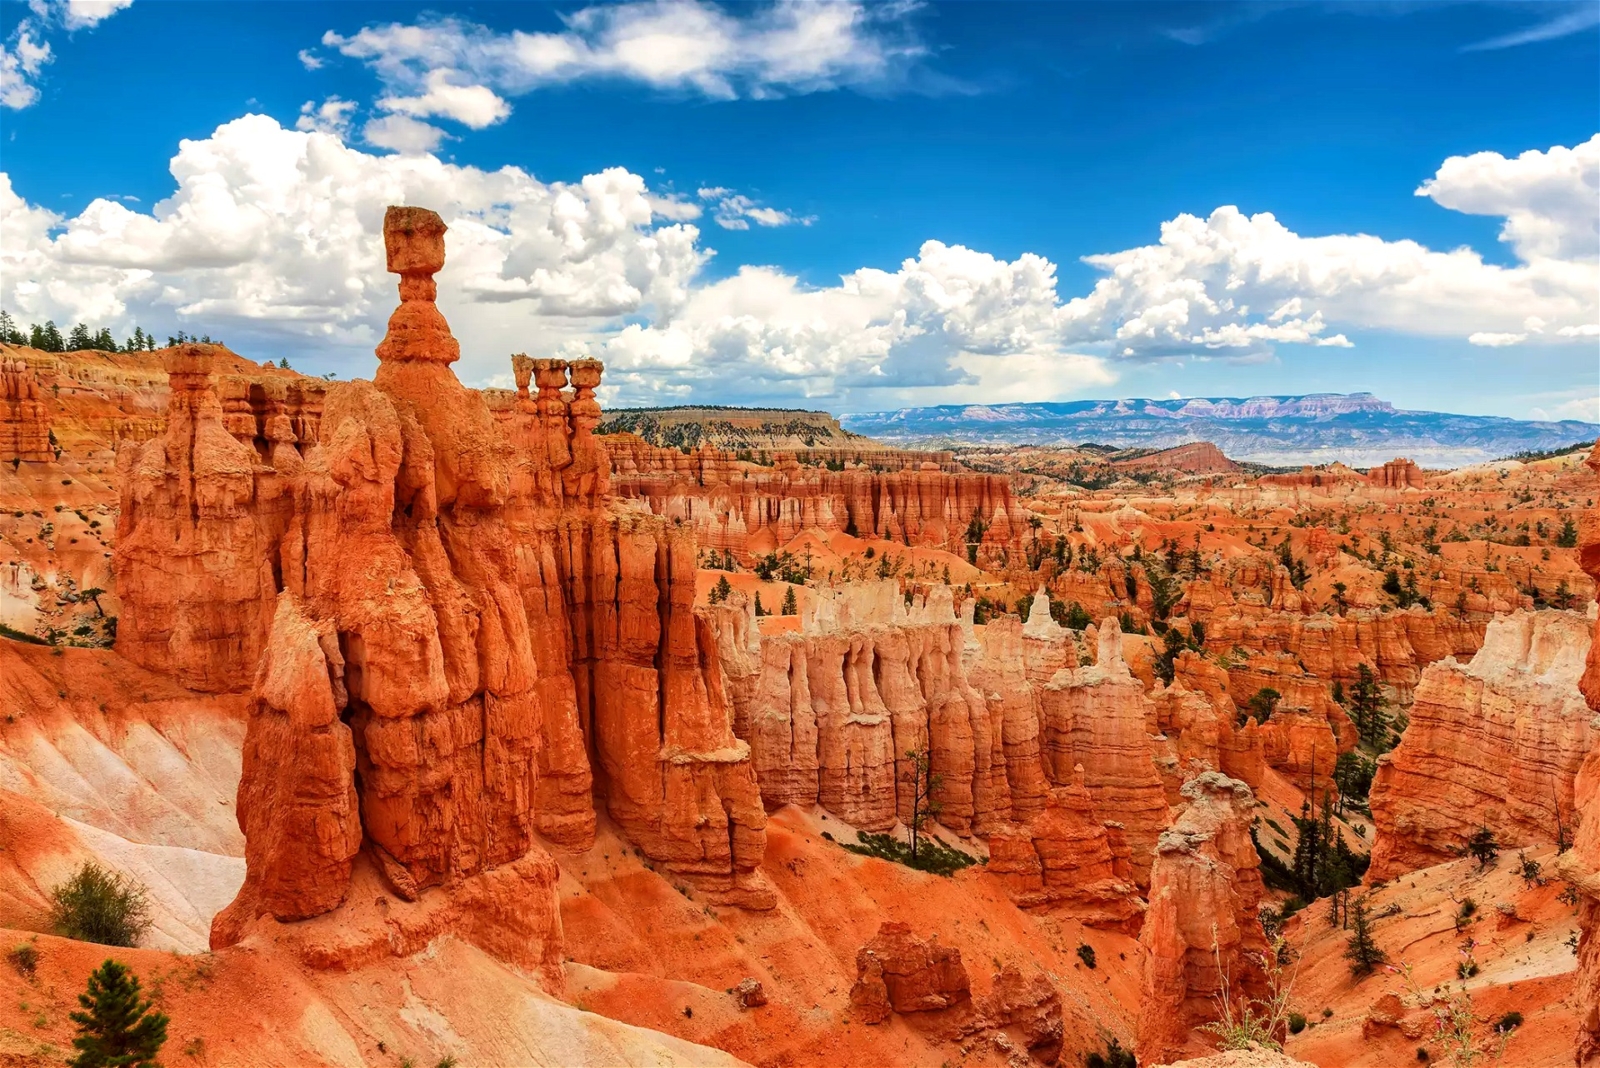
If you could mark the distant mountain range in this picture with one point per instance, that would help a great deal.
(1356, 428)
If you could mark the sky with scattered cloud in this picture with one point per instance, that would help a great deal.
(840, 205)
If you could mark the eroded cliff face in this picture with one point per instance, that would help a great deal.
(1202, 927)
(1580, 865)
(451, 632)
(1496, 742)
(24, 420)
(749, 508)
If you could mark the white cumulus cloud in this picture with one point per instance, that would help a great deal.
(782, 48)
(271, 241)
(1193, 292)
(81, 14)
(476, 106)
(403, 134)
(26, 51)
(735, 211)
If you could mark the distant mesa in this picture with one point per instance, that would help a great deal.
(1358, 429)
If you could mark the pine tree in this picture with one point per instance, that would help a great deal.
(284, 363)
(918, 775)
(1568, 538)
(1368, 711)
(50, 338)
(790, 605)
(116, 1029)
(1362, 952)
(760, 611)
(9, 332)
(719, 592)
(79, 339)
(1307, 852)
(1483, 846)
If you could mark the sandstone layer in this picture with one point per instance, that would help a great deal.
(1496, 742)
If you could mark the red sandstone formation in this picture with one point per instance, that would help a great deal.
(1197, 458)
(1397, 474)
(1496, 742)
(1062, 859)
(1097, 717)
(461, 620)
(24, 420)
(750, 509)
(1580, 866)
(899, 972)
(1205, 887)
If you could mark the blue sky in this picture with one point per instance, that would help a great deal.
(1021, 138)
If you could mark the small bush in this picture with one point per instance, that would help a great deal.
(24, 958)
(1509, 1022)
(932, 855)
(1297, 1022)
(1114, 1057)
(1422, 1054)
(95, 905)
(1086, 954)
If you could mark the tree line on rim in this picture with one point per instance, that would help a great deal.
(48, 338)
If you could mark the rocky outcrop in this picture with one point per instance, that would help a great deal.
(750, 509)
(1062, 860)
(1397, 474)
(1196, 458)
(24, 418)
(1395, 645)
(197, 568)
(1202, 928)
(831, 709)
(1580, 865)
(466, 635)
(897, 972)
(1496, 742)
(1098, 717)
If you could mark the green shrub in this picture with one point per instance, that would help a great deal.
(24, 958)
(95, 905)
(1509, 1022)
(1297, 1022)
(932, 855)
(1086, 954)
(1114, 1057)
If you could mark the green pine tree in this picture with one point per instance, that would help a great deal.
(1362, 952)
(1568, 538)
(790, 605)
(9, 332)
(79, 339)
(1368, 711)
(116, 1029)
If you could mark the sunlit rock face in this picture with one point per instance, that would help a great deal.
(1496, 742)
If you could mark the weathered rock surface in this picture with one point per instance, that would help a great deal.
(463, 629)
(897, 972)
(1098, 717)
(751, 509)
(1580, 865)
(24, 418)
(1062, 858)
(1202, 926)
(1496, 742)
